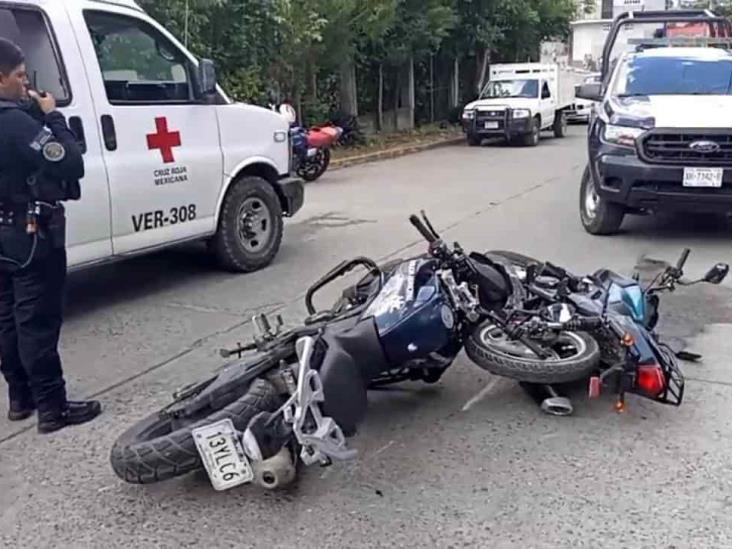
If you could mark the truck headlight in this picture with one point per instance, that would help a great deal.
(468, 114)
(623, 136)
(521, 113)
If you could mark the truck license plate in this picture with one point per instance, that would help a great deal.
(222, 455)
(703, 177)
(492, 125)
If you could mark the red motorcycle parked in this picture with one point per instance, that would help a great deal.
(310, 147)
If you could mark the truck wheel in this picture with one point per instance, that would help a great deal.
(598, 216)
(474, 140)
(531, 139)
(560, 125)
(250, 226)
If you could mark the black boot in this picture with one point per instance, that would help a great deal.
(21, 409)
(73, 413)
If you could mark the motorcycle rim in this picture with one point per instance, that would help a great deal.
(566, 346)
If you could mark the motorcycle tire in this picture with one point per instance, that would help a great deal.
(495, 359)
(154, 449)
(311, 175)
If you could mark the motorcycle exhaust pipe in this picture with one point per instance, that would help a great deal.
(548, 399)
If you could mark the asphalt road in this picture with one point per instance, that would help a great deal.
(469, 462)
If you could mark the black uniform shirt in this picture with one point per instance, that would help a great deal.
(28, 146)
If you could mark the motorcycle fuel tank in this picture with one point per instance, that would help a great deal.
(412, 316)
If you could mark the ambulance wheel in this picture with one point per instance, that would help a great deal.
(250, 226)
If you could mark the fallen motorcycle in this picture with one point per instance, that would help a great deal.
(304, 390)
(562, 328)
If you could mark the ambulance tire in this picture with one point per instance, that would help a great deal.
(236, 250)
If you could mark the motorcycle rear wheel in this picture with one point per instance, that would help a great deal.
(576, 355)
(156, 449)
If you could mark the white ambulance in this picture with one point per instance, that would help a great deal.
(169, 157)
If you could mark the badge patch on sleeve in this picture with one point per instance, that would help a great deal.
(41, 139)
(54, 151)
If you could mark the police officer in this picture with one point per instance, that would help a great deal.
(40, 164)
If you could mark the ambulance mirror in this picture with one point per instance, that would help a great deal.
(207, 77)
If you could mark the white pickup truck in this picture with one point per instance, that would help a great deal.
(169, 157)
(520, 101)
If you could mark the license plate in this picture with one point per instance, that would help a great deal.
(491, 125)
(703, 177)
(222, 455)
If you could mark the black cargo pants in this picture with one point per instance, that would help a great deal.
(31, 307)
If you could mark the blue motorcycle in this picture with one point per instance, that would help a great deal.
(295, 395)
(561, 328)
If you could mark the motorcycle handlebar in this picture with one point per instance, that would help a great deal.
(683, 258)
(578, 324)
(417, 222)
(584, 323)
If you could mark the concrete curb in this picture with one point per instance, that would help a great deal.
(393, 153)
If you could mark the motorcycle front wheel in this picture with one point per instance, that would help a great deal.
(573, 356)
(157, 448)
(311, 170)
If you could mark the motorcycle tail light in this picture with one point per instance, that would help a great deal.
(650, 379)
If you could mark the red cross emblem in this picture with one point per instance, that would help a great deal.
(163, 139)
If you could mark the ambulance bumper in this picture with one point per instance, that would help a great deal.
(292, 195)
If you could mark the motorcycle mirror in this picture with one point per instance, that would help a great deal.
(717, 274)
(288, 112)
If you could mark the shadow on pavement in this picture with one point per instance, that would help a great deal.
(95, 288)
(671, 226)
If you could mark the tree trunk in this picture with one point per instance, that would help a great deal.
(348, 92)
(407, 93)
(380, 103)
(483, 68)
(298, 106)
(313, 82)
(397, 91)
(432, 89)
(454, 99)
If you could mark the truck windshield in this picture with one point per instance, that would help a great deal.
(496, 89)
(674, 76)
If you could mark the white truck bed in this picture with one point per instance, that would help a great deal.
(562, 80)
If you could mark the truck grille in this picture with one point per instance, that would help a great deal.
(670, 147)
(481, 117)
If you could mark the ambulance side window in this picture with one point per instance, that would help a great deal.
(139, 65)
(29, 30)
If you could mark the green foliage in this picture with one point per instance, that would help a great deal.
(292, 47)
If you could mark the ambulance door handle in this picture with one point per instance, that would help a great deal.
(109, 133)
(77, 128)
